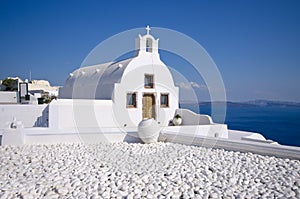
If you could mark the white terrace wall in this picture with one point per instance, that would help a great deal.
(8, 97)
(81, 114)
(191, 118)
(29, 115)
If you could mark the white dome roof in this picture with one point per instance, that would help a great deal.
(94, 82)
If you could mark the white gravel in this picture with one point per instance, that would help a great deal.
(161, 170)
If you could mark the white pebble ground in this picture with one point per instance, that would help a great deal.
(161, 170)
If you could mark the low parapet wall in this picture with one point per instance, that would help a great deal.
(39, 135)
(209, 130)
(190, 118)
(29, 115)
(9, 97)
(276, 150)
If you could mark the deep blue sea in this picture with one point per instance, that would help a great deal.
(281, 124)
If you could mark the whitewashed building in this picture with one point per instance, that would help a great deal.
(134, 89)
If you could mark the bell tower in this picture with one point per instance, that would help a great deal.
(146, 44)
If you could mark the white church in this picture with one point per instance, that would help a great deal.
(126, 91)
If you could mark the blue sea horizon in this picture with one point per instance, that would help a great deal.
(278, 123)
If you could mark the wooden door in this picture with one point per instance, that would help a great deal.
(148, 106)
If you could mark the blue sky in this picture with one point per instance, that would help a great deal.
(255, 44)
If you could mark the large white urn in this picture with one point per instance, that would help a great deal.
(148, 130)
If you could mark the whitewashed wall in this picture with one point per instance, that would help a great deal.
(133, 81)
(80, 114)
(29, 115)
(8, 97)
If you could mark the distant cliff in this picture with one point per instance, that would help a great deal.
(254, 103)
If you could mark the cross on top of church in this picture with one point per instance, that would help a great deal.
(148, 29)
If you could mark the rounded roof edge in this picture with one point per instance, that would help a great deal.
(94, 82)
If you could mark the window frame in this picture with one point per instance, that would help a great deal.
(167, 105)
(151, 82)
(134, 105)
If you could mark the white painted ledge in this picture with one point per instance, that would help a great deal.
(276, 150)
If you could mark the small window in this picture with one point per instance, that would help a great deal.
(131, 100)
(149, 83)
(164, 100)
(149, 45)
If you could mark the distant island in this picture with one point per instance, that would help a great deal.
(252, 103)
